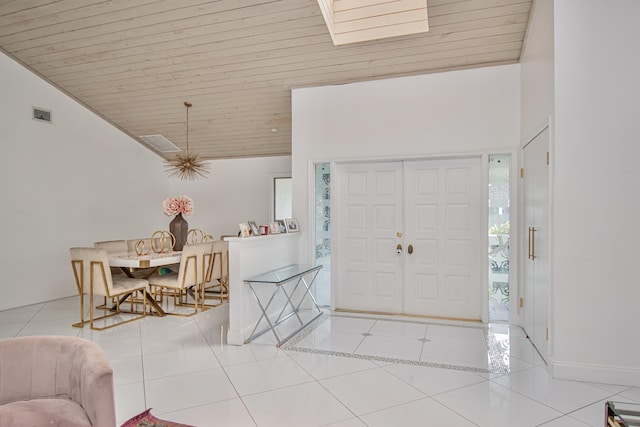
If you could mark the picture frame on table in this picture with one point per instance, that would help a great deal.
(274, 228)
(254, 228)
(245, 230)
(292, 225)
(283, 227)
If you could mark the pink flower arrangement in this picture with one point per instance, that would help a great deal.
(177, 205)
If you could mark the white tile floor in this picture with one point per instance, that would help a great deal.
(345, 370)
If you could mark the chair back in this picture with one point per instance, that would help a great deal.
(112, 246)
(195, 264)
(220, 265)
(91, 268)
(195, 235)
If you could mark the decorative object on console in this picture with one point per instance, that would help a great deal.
(283, 227)
(187, 165)
(254, 228)
(178, 226)
(245, 230)
(274, 228)
(264, 230)
(292, 225)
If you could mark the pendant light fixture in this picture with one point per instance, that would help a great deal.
(187, 165)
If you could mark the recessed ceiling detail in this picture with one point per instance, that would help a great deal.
(352, 21)
(160, 143)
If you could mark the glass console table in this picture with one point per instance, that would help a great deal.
(304, 277)
(620, 414)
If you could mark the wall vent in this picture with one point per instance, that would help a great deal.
(41, 115)
(160, 143)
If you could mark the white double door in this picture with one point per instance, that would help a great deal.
(409, 237)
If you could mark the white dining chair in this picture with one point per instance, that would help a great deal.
(217, 283)
(93, 277)
(194, 267)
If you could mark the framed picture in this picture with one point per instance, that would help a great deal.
(274, 228)
(292, 225)
(245, 230)
(283, 228)
(254, 228)
(264, 230)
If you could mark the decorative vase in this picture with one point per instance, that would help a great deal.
(179, 228)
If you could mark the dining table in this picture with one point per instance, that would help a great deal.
(128, 262)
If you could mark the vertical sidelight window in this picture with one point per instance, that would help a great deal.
(499, 237)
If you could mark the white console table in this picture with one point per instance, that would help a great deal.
(249, 257)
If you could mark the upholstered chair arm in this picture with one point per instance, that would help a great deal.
(58, 367)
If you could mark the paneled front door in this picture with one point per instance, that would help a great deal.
(408, 237)
(370, 215)
(443, 224)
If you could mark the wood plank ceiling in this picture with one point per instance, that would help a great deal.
(134, 62)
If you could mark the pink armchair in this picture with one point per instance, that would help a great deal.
(55, 381)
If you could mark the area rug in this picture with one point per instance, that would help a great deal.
(145, 419)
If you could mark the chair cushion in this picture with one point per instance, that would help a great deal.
(122, 285)
(43, 412)
(167, 280)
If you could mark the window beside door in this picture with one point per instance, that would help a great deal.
(322, 234)
(499, 237)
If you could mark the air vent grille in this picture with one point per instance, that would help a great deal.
(160, 143)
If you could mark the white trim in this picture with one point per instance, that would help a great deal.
(484, 236)
(595, 373)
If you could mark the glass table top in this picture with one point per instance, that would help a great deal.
(284, 274)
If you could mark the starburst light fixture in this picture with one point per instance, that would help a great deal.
(187, 165)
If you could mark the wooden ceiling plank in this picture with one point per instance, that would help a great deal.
(26, 9)
(437, 34)
(245, 71)
(72, 62)
(65, 13)
(381, 9)
(119, 22)
(309, 60)
(214, 65)
(354, 72)
(185, 29)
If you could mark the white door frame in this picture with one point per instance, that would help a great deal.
(514, 253)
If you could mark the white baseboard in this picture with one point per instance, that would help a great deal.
(595, 373)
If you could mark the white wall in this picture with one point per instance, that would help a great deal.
(69, 183)
(470, 111)
(596, 205)
(80, 180)
(537, 80)
(237, 190)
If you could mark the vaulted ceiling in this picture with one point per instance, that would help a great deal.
(134, 62)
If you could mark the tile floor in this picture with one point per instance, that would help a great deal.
(344, 370)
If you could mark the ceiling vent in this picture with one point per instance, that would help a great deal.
(160, 143)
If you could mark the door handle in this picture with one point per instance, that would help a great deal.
(399, 249)
(532, 243)
(410, 249)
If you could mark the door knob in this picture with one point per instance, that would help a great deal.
(410, 249)
(399, 249)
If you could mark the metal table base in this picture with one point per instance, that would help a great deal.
(278, 279)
